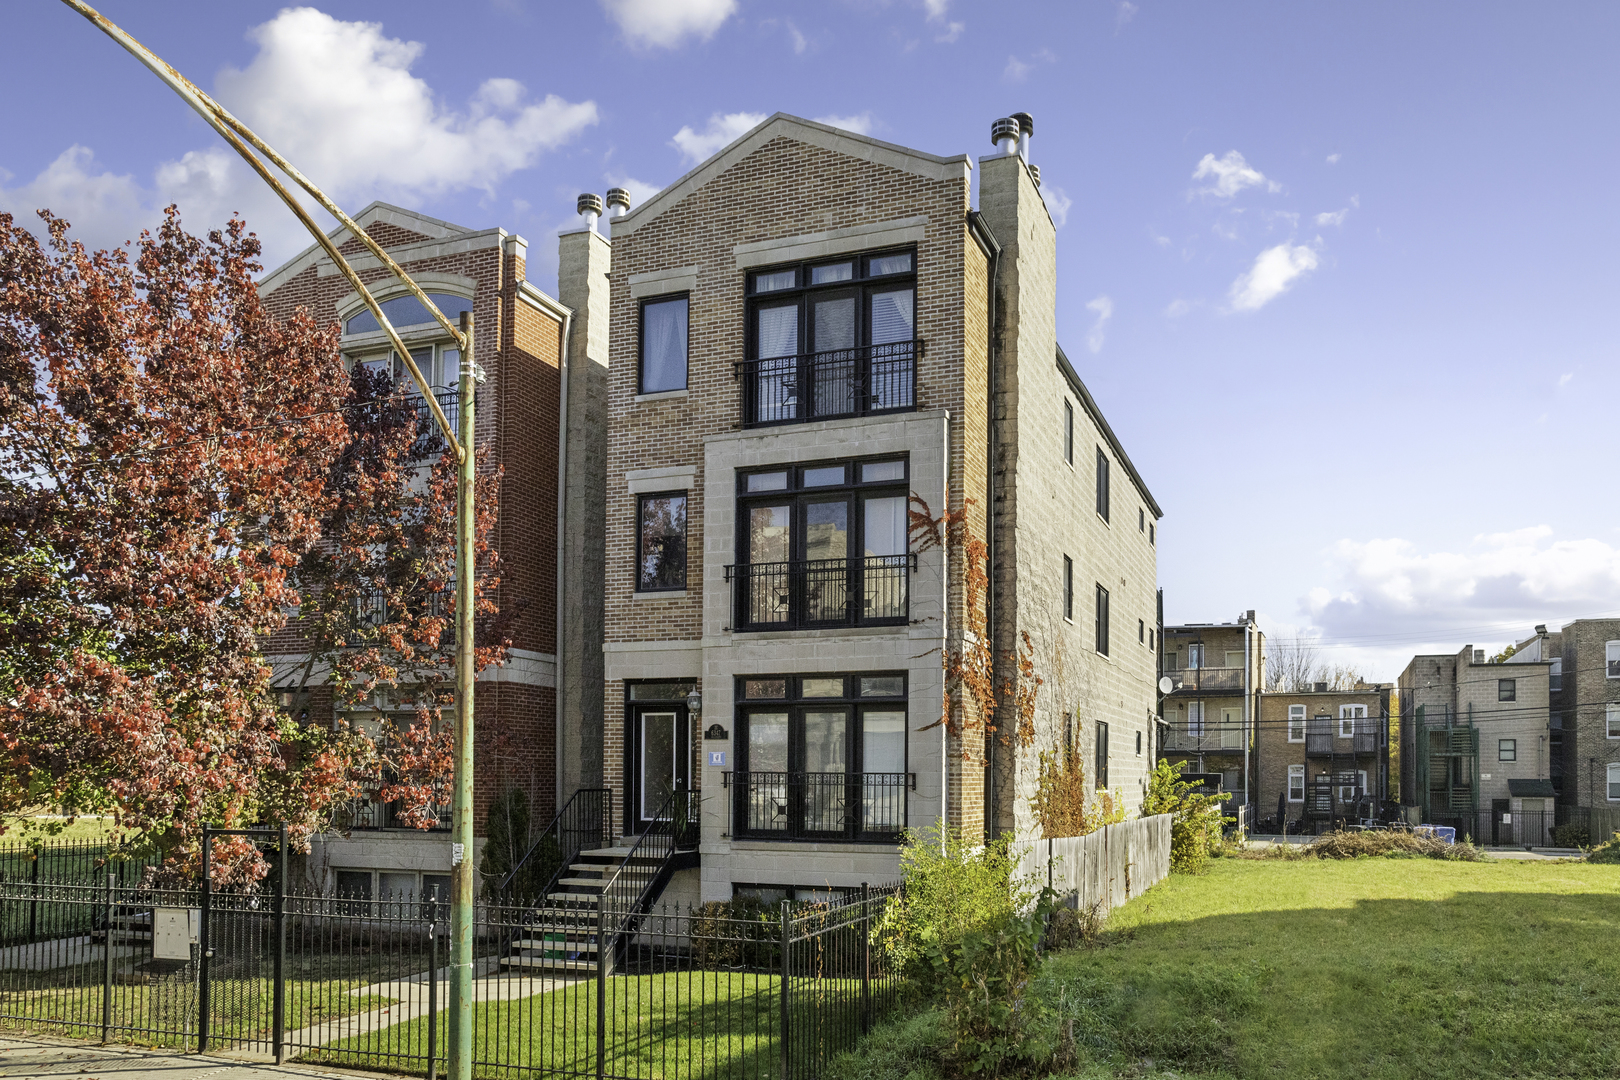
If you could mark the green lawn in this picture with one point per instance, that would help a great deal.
(690, 1024)
(1372, 969)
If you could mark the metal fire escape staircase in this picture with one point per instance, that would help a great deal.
(590, 909)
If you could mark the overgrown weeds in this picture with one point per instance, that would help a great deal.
(1367, 844)
(1606, 853)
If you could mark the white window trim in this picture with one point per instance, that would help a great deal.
(1352, 713)
(1613, 776)
(1296, 714)
(1607, 646)
(1611, 718)
(1299, 771)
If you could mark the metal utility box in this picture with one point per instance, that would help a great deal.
(174, 931)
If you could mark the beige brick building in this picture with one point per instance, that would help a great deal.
(1321, 757)
(803, 344)
(519, 344)
(1217, 673)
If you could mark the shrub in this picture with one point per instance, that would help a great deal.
(1572, 834)
(953, 887)
(741, 932)
(1196, 828)
(1606, 853)
(985, 975)
(507, 841)
(1070, 927)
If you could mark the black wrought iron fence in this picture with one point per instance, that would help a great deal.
(362, 983)
(874, 589)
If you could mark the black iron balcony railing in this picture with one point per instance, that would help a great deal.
(372, 608)
(872, 591)
(1325, 738)
(819, 806)
(824, 385)
(369, 814)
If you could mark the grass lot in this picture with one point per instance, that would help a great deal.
(692, 1024)
(1372, 969)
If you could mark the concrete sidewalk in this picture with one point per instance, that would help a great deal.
(31, 1055)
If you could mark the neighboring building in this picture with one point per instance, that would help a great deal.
(811, 334)
(1584, 674)
(1217, 672)
(1475, 748)
(520, 347)
(1322, 756)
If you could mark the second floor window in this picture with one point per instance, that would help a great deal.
(1611, 656)
(1348, 715)
(661, 542)
(822, 545)
(663, 345)
(1507, 689)
(1195, 657)
(1296, 724)
(831, 338)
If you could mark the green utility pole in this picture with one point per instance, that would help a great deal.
(239, 136)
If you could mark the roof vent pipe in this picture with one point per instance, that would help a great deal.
(618, 202)
(1026, 128)
(1004, 133)
(590, 208)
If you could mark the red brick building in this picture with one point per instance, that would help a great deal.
(520, 345)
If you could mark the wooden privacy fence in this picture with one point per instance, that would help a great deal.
(1105, 868)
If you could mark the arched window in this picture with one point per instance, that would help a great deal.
(407, 310)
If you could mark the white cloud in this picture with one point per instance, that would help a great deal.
(860, 123)
(668, 23)
(800, 43)
(1162, 241)
(936, 8)
(696, 146)
(1520, 576)
(1274, 271)
(1563, 380)
(640, 191)
(1232, 174)
(1336, 217)
(1333, 159)
(1104, 307)
(337, 99)
(951, 32)
(1057, 204)
(1016, 70)
(1124, 12)
(1176, 309)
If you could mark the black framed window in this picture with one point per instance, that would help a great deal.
(1138, 744)
(821, 756)
(1102, 620)
(1068, 431)
(1102, 755)
(664, 337)
(1507, 689)
(833, 337)
(822, 544)
(1141, 519)
(1141, 632)
(1507, 749)
(1068, 588)
(661, 542)
(1102, 484)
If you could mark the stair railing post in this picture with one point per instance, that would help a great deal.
(33, 904)
(278, 1023)
(601, 984)
(107, 966)
(205, 950)
(787, 970)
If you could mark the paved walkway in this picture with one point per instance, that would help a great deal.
(65, 1060)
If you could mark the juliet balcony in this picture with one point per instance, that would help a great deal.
(863, 381)
(817, 593)
(819, 806)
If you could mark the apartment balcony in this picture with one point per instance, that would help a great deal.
(863, 381)
(371, 815)
(1208, 680)
(1326, 740)
(1208, 739)
(372, 609)
(817, 593)
(819, 806)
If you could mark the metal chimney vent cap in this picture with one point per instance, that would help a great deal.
(590, 203)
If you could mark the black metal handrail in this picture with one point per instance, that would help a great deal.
(873, 590)
(585, 820)
(838, 382)
(626, 892)
(805, 805)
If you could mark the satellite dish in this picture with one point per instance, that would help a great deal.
(1166, 685)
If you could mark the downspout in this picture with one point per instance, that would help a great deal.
(562, 523)
(987, 240)
(1251, 722)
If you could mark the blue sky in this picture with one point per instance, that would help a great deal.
(1343, 277)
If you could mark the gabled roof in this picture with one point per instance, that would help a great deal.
(377, 211)
(1102, 425)
(806, 131)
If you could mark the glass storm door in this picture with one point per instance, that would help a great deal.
(663, 759)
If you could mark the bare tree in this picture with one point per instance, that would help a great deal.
(1291, 664)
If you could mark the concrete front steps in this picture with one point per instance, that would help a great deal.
(562, 930)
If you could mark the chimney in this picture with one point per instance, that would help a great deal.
(1479, 656)
(618, 203)
(1321, 687)
(1541, 630)
(1004, 134)
(590, 208)
(1026, 128)
(1250, 615)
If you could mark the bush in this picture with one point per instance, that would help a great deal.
(953, 887)
(1606, 853)
(741, 932)
(507, 841)
(1196, 829)
(1068, 928)
(1572, 834)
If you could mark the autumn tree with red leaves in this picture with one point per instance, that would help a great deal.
(179, 474)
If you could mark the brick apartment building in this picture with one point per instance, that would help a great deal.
(795, 340)
(520, 346)
(1321, 756)
(1217, 673)
(1475, 743)
(1583, 732)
